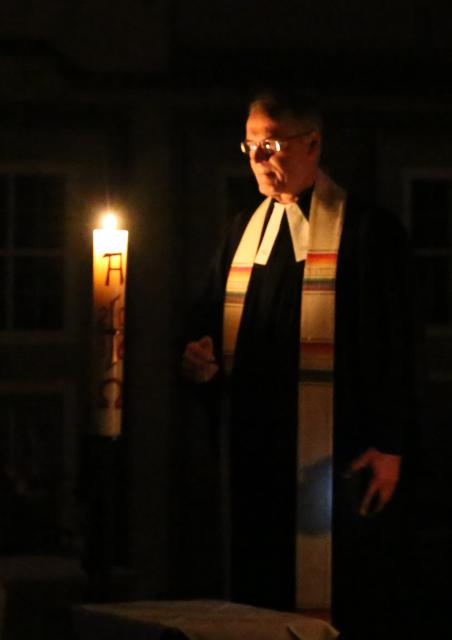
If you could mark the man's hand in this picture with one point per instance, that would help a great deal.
(198, 361)
(384, 475)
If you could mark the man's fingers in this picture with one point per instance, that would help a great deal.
(206, 343)
(204, 374)
(368, 499)
(196, 352)
(360, 463)
(198, 362)
(195, 356)
(199, 372)
(386, 492)
(202, 350)
(377, 497)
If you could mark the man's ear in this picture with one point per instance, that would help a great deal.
(315, 140)
(315, 144)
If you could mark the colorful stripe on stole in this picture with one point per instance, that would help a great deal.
(238, 279)
(237, 287)
(320, 356)
(317, 356)
(320, 271)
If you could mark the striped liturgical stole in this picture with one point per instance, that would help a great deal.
(315, 389)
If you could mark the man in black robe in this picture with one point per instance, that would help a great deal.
(371, 386)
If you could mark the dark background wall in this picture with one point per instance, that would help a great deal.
(141, 105)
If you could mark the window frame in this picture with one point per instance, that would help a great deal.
(9, 334)
(410, 175)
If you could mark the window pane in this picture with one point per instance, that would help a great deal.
(38, 211)
(38, 293)
(3, 210)
(433, 281)
(431, 218)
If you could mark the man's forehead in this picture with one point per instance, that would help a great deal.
(260, 124)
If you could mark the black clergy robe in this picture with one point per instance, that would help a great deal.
(372, 408)
(263, 432)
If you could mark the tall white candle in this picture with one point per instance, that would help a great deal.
(109, 288)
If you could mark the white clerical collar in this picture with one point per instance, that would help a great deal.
(299, 232)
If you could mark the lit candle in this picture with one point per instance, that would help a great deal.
(109, 287)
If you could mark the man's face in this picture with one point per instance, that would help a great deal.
(285, 173)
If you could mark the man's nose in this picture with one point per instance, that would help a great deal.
(260, 155)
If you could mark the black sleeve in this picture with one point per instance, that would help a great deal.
(374, 335)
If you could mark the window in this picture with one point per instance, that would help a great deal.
(32, 239)
(31, 473)
(431, 228)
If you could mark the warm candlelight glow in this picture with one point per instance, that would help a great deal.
(109, 285)
(109, 221)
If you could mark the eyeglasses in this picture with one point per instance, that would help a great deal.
(270, 145)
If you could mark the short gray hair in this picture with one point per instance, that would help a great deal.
(279, 104)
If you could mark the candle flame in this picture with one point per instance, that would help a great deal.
(109, 221)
